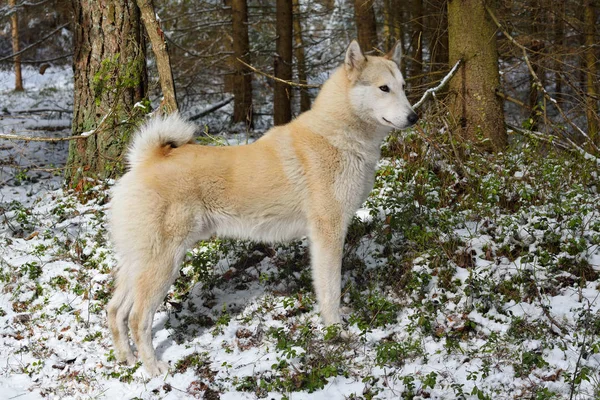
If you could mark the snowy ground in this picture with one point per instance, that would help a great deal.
(441, 303)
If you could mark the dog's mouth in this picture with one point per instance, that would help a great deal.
(390, 123)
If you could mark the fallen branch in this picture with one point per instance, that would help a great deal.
(215, 107)
(443, 82)
(290, 83)
(39, 110)
(40, 139)
(83, 135)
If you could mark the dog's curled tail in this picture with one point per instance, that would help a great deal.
(158, 132)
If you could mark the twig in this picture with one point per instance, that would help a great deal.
(443, 82)
(512, 100)
(294, 84)
(34, 44)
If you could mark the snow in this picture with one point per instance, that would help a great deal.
(239, 313)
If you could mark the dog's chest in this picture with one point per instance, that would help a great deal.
(355, 181)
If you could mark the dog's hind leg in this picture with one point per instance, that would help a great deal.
(149, 290)
(118, 314)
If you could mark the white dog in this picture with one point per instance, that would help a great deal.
(305, 178)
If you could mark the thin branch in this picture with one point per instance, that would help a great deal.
(34, 44)
(444, 81)
(294, 84)
(46, 60)
(220, 104)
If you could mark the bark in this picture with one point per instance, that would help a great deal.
(476, 111)
(282, 113)
(300, 59)
(242, 88)
(159, 47)
(14, 21)
(110, 78)
(366, 24)
(591, 71)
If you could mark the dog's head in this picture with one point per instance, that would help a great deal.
(377, 88)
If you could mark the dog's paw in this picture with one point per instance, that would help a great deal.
(127, 358)
(157, 369)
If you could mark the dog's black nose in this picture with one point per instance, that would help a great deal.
(413, 118)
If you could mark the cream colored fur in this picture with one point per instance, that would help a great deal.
(305, 178)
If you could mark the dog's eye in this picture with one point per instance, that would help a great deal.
(384, 88)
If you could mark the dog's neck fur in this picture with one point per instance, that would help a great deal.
(333, 117)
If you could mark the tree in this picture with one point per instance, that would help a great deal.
(300, 59)
(110, 79)
(159, 48)
(366, 24)
(591, 73)
(537, 46)
(242, 81)
(476, 109)
(417, 38)
(283, 63)
(439, 42)
(14, 21)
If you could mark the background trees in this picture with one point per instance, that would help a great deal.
(533, 66)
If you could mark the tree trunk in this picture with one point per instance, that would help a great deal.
(366, 24)
(439, 42)
(535, 58)
(300, 59)
(159, 48)
(591, 71)
(242, 88)
(14, 21)
(282, 113)
(110, 78)
(476, 110)
(559, 41)
(416, 40)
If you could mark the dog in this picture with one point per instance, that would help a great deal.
(305, 178)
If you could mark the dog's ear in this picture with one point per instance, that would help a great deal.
(355, 59)
(395, 53)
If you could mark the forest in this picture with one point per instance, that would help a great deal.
(472, 270)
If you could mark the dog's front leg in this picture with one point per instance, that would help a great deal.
(326, 247)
